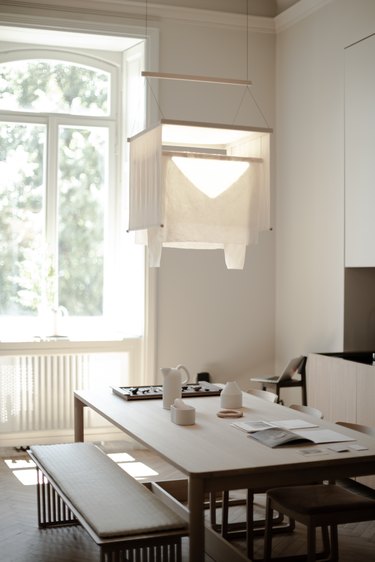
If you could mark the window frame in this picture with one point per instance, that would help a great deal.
(114, 122)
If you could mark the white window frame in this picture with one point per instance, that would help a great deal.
(144, 352)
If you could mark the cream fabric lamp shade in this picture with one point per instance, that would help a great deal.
(175, 200)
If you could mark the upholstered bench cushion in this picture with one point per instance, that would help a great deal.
(112, 502)
(315, 499)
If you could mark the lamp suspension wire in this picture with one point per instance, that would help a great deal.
(149, 75)
(247, 88)
(149, 86)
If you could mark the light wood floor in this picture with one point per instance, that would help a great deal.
(22, 541)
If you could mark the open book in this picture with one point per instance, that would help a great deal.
(274, 436)
(257, 425)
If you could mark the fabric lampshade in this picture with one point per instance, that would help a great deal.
(200, 186)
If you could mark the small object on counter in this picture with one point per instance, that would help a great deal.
(205, 377)
(181, 413)
(231, 396)
(173, 382)
(229, 413)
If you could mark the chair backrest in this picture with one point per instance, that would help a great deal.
(264, 394)
(292, 367)
(307, 410)
(358, 427)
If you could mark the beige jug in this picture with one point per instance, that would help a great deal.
(173, 379)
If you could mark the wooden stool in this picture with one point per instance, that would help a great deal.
(319, 505)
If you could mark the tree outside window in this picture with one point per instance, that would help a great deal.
(58, 239)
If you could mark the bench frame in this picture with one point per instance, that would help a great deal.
(56, 510)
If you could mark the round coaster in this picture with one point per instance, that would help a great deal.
(228, 413)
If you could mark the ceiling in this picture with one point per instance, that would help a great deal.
(265, 8)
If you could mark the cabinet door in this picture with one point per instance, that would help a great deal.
(365, 405)
(359, 154)
(331, 387)
(366, 395)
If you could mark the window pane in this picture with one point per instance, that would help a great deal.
(54, 86)
(22, 148)
(82, 196)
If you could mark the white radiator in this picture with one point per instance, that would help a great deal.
(36, 391)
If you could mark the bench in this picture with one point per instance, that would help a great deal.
(79, 484)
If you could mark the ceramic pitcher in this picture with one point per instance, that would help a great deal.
(231, 395)
(173, 379)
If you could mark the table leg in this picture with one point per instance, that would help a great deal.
(196, 519)
(78, 419)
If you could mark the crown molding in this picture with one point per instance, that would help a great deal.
(132, 10)
(298, 12)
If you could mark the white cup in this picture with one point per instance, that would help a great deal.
(182, 416)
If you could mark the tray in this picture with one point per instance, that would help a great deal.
(156, 391)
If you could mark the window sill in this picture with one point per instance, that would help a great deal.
(58, 345)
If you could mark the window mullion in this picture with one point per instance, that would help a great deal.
(72, 179)
(51, 182)
(51, 230)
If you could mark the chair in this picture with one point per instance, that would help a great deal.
(287, 379)
(307, 410)
(322, 505)
(248, 525)
(350, 483)
(264, 394)
(317, 505)
(358, 427)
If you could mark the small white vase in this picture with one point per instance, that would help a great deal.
(231, 396)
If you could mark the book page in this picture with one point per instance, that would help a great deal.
(275, 436)
(323, 435)
(251, 425)
(292, 424)
(257, 425)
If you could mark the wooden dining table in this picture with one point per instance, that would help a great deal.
(215, 456)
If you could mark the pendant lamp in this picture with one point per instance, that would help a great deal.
(200, 186)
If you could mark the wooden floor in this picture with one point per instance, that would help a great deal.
(22, 541)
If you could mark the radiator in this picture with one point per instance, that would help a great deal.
(36, 391)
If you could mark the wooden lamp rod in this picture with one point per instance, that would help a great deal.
(192, 78)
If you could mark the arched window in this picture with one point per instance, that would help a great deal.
(64, 253)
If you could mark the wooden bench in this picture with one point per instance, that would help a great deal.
(79, 484)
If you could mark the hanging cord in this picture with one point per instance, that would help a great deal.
(247, 88)
(148, 80)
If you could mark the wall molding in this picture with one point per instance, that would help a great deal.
(133, 13)
(129, 11)
(298, 12)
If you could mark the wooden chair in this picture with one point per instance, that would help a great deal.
(287, 379)
(350, 483)
(317, 505)
(322, 505)
(358, 427)
(307, 410)
(248, 525)
(264, 394)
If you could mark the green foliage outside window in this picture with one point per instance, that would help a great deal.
(34, 271)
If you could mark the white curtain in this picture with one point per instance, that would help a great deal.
(145, 194)
(173, 212)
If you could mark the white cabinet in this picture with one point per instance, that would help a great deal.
(366, 395)
(343, 390)
(331, 387)
(359, 154)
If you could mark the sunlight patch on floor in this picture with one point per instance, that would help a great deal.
(24, 470)
(121, 457)
(138, 470)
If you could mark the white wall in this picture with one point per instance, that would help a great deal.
(209, 318)
(212, 319)
(223, 321)
(310, 173)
